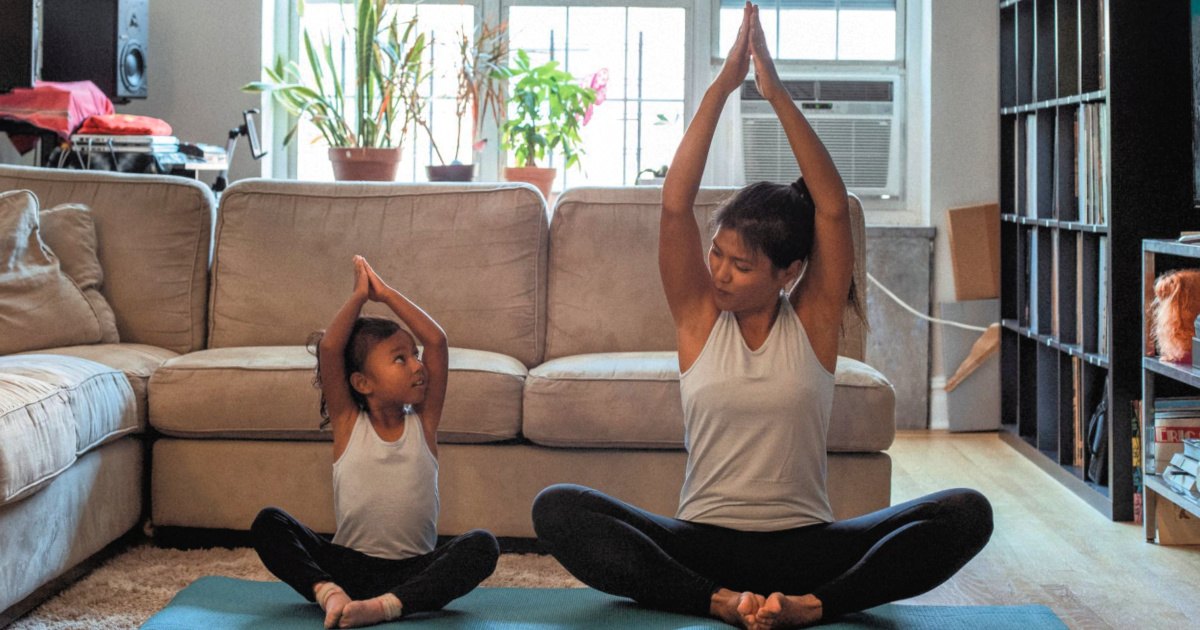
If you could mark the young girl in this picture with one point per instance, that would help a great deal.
(754, 541)
(384, 402)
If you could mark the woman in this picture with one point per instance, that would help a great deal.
(754, 542)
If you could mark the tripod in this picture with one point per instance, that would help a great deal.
(245, 129)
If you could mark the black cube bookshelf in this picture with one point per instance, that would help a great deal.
(1095, 133)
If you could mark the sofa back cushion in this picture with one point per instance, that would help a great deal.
(69, 232)
(40, 306)
(604, 290)
(153, 241)
(472, 255)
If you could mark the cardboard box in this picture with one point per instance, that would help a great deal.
(975, 251)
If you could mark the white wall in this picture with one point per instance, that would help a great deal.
(963, 126)
(200, 55)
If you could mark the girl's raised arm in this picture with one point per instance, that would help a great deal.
(335, 383)
(681, 265)
(435, 352)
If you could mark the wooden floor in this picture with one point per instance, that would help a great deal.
(1049, 547)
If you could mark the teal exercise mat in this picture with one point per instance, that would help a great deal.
(220, 603)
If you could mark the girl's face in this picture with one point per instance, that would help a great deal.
(743, 278)
(394, 372)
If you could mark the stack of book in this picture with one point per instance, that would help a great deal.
(1175, 420)
(1180, 474)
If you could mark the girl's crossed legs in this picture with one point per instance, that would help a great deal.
(302, 559)
(676, 565)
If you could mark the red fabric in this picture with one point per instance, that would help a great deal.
(54, 106)
(125, 125)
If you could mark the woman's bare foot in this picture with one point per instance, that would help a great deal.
(367, 612)
(735, 609)
(781, 611)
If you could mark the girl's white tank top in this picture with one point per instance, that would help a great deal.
(385, 494)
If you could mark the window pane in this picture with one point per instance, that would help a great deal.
(443, 23)
(869, 35)
(662, 53)
(807, 34)
(591, 39)
(848, 30)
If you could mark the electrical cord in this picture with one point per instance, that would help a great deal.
(920, 314)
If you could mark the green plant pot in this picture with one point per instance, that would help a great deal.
(364, 164)
(451, 173)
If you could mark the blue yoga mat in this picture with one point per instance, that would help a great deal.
(220, 603)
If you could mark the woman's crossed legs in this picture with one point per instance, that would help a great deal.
(791, 578)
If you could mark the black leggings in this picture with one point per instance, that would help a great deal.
(676, 565)
(301, 558)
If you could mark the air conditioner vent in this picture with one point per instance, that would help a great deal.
(806, 90)
(857, 120)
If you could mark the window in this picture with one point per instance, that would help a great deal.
(821, 30)
(646, 49)
(641, 49)
(444, 21)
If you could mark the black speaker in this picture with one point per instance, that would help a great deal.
(18, 43)
(102, 41)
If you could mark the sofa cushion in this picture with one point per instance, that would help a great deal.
(473, 256)
(631, 400)
(40, 306)
(100, 398)
(267, 392)
(69, 232)
(137, 361)
(154, 235)
(604, 293)
(37, 435)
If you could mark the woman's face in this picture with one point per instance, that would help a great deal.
(743, 277)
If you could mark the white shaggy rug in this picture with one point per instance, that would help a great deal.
(123, 593)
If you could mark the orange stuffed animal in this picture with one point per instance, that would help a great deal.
(1175, 306)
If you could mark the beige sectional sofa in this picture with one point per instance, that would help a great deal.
(562, 362)
(72, 420)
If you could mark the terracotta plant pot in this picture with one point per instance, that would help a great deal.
(364, 164)
(541, 178)
(451, 173)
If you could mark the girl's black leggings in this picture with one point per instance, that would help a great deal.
(301, 558)
(676, 565)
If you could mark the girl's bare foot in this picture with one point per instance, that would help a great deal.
(334, 605)
(781, 611)
(368, 612)
(332, 600)
(735, 609)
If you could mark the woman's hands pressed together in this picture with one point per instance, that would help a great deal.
(766, 79)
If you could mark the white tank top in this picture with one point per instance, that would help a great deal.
(385, 494)
(755, 424)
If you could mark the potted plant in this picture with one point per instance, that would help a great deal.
(550, 109)
(365, 136)
(657, 176)
(481, 90)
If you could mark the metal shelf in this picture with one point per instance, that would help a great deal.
(1075, 350)
(1077, 99)
(1073, 226)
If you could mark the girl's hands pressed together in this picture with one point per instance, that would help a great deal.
(377, 288)
(766, 79)
(737, 62)
(362, 281)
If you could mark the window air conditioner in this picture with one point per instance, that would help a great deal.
(858, 120)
